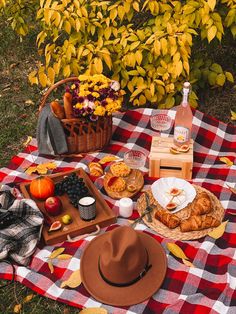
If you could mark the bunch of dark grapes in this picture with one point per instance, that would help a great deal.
(74, 187)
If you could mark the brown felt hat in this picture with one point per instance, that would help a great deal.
(123, 267)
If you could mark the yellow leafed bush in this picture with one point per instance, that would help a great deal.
(146, 45)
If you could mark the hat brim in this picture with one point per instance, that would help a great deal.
(123, 296)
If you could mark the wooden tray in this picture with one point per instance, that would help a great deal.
(138, 182)
(104, 215)
(217, 212)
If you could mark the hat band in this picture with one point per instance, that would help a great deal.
(129, 283)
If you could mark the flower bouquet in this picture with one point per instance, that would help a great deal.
(95, 96)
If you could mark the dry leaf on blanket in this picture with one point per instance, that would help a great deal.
(227, 161)
(56, 252)
(176, 250)
(108, 158)
(218, 231)
(94, 310)
(50, 266)
(73, 281)
(17, 308)
(29, 138)
(187, 263)
(64, 256)
(233, 190)
(28, 298)
(41, 168)
(233, 115)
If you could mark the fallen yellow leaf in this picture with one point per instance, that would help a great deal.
(29, 138)
(41, 168)
(73, 281)
(56, 252)
(187, 263)
(17, 308)
(108, 158)
(94, 310)
(31, 170)
(233, 115)
(227, 161)
(64, 256)
(50, 265)
(218, 231)
(29, 298)
(176, 250)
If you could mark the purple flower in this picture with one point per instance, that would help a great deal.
(104, 103)
(93, 117)
(90, 97)
(80, 99)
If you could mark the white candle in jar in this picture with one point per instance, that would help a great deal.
(126, 206)
(86, 201)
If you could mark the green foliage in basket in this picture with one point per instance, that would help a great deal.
(148, 46)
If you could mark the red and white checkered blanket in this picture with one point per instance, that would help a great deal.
(210, 287)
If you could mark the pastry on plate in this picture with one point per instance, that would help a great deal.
(116, 184)
(170, 220)
(198, 222)
(202, 205)
(120, 169)
(95, 169)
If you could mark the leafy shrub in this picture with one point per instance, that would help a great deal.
(147, 45)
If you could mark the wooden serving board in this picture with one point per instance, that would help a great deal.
(138, 183)
(104, 215)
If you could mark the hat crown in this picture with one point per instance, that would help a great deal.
(123, 256)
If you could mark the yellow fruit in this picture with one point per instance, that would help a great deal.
(66, 219)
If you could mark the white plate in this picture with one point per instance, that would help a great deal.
(161, 188)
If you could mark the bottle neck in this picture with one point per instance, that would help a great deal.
(185, 101)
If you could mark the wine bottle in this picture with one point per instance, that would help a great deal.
(183, 119)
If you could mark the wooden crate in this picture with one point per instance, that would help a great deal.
(162, 163)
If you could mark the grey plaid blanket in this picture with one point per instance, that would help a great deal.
(20, 227)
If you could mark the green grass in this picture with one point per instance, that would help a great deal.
(18, 120)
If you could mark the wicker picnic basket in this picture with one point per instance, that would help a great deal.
(82, 136)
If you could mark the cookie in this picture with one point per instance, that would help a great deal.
(120, 169)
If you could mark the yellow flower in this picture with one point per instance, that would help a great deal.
(79, 106)
(96, 95)
(109, 100)
(99, 111)
(84, 93)
(73, 86)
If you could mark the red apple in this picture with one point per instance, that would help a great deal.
(53, 205)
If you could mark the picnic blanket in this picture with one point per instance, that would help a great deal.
(209, 287)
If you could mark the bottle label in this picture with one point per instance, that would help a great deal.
(181, 134)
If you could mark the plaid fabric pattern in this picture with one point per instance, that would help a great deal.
(19, 237)
(210, 287)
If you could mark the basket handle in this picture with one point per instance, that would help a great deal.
(51, 88)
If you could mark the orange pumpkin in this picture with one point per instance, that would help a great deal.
(42, 188)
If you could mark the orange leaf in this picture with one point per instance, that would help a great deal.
(28, 298)
(17, 308)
